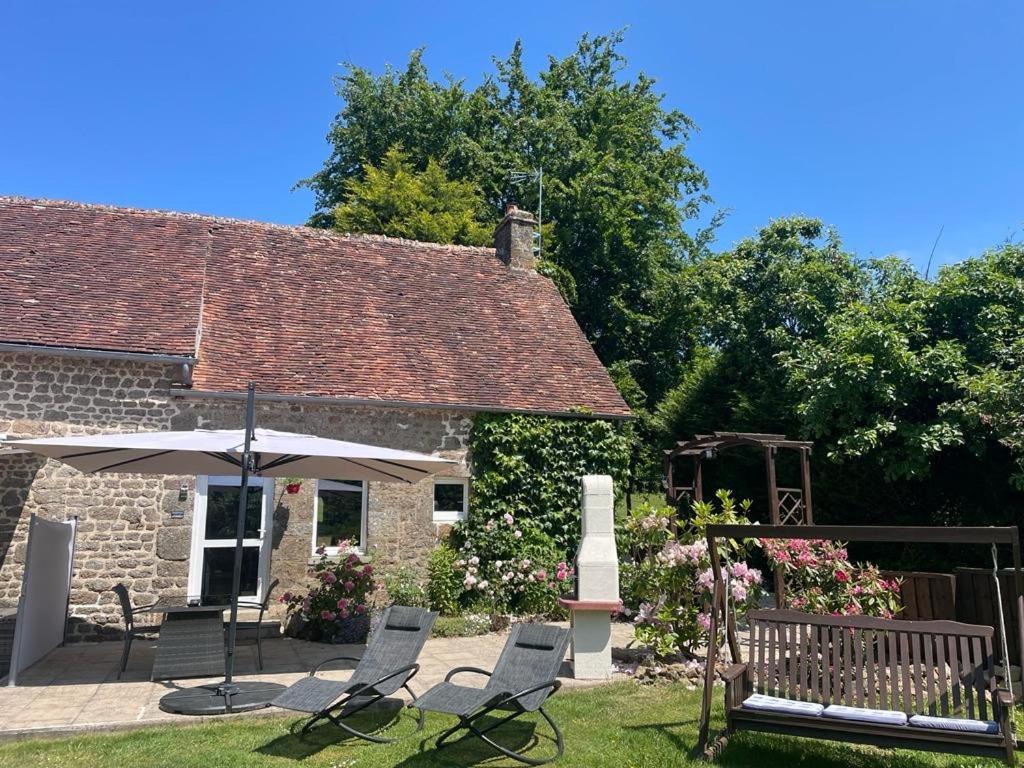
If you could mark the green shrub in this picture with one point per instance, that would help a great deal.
(524, 522)
(405, 587)
(444, 585)
(469, 625)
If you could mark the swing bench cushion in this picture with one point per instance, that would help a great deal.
(866, 715)
(955, 724)
(764, 703)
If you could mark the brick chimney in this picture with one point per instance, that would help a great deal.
(513, 239)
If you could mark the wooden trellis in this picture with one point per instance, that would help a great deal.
(786, 505)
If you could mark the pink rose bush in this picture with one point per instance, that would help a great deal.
(667, 580)
(341, 590)
(820, 579)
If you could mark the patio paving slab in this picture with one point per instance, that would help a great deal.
(75, 688)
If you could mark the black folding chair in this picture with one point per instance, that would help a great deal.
(522, 680)
(388, 664)
(130, 628)
(262, 606)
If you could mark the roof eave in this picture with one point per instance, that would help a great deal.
(96, 354)
(410, 404)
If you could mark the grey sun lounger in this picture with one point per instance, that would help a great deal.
(522, 680)
(387, 665)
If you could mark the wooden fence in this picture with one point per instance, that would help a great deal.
(967, 595)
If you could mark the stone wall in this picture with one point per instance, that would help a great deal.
(126, 528)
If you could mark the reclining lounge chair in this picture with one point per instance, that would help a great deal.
(388, 665)
(522, 680)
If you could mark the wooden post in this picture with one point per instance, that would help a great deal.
(1018, 582)
(805, 478)
(773, 505)
(730, 625)
(773, 485)
(709, 669)
(698, 479)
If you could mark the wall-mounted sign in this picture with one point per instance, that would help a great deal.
(183, 492)
(177, 514)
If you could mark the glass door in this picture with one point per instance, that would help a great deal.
(213, 537)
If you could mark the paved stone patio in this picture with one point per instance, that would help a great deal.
(76, 687)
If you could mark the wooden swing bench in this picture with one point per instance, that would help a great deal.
(927, 685)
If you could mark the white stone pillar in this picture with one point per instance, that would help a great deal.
(597, 581)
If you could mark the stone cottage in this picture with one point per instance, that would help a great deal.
(116, 319)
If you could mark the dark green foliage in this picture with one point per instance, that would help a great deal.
(910, 388)
(529, 467)
(444, 585)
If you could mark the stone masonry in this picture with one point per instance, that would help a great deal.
(126, 529)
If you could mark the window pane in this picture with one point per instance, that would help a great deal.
(218, 570)
(222, 511)
(449, 497)
(339, 516)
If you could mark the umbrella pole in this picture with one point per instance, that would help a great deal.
(243, 504)
(229, 696)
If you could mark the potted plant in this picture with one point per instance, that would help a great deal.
(292, 485)
(336, 608)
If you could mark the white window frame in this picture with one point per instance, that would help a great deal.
(200, 542)
(451, 515)
(334, 485)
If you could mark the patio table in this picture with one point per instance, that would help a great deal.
(191, 640)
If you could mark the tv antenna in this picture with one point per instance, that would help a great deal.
(518, 177)
(935, 245)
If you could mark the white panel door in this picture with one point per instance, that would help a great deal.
(213, 537)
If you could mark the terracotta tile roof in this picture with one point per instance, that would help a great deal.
(100, 278)
(299, 311)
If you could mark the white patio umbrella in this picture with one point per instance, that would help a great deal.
(262, 452)
(220, 452)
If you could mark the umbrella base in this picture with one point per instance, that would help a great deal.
(220, 698)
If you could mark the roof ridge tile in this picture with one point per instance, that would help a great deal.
(299, 229)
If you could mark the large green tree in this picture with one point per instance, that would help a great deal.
(618, 185)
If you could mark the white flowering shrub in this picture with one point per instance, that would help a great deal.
(508, 566)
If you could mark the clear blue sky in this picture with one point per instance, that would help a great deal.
(886, 119)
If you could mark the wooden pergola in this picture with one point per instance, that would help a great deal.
(786, 505)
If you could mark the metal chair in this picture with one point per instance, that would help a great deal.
(242, 603)
(387, 665)
(130, 628)
(523, 679)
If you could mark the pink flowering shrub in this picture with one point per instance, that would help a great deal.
(820, 579)
(341, 591)
(667, 578)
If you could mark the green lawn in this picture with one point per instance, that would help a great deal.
(617, 726)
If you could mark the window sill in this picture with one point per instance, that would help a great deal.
(448, 518)
(363, 557)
